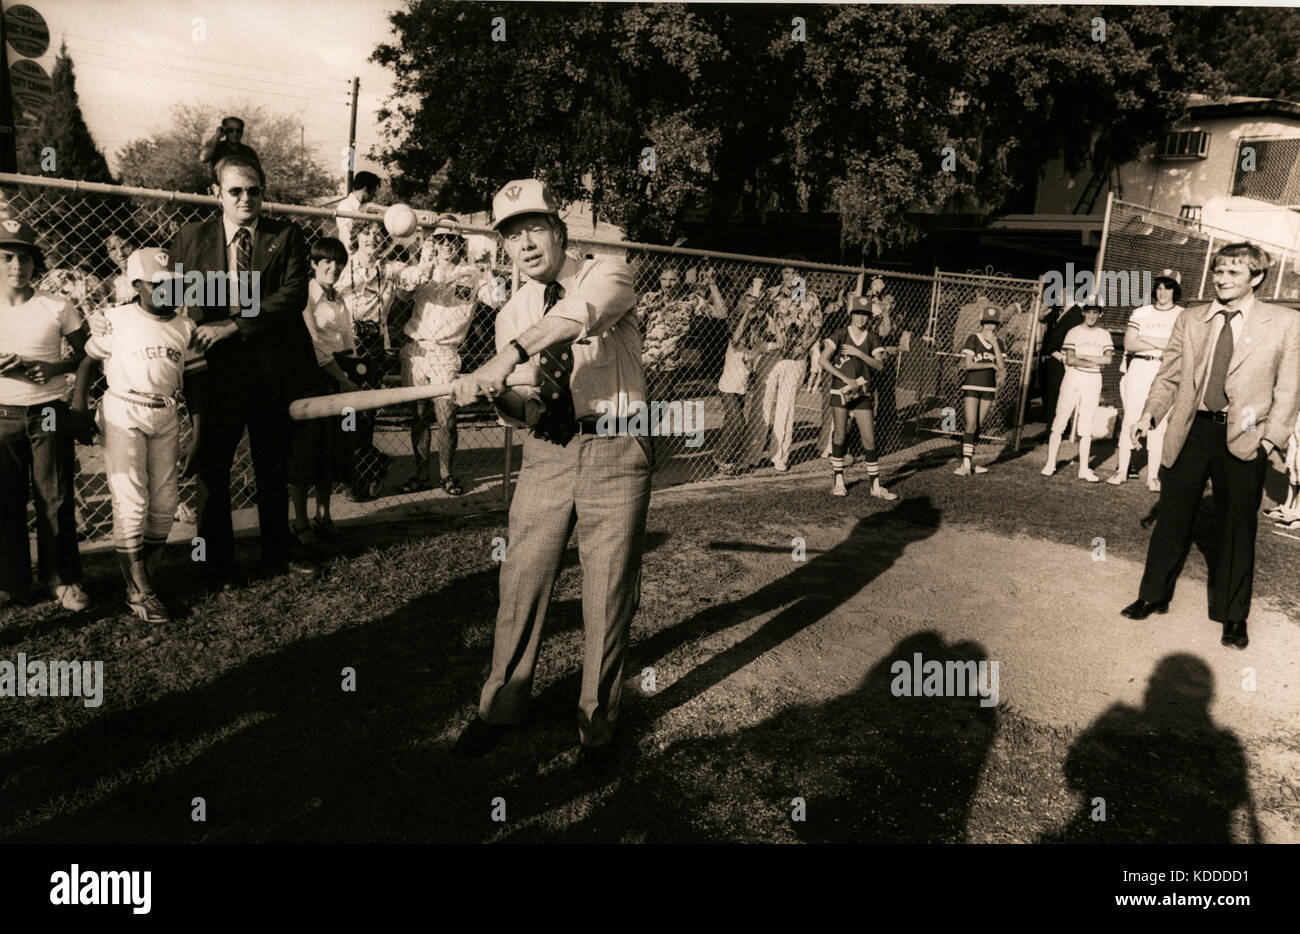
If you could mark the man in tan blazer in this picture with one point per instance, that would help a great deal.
(1231, 396)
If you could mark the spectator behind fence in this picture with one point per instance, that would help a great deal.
(444, 310)
(794, 318)
(666, 317)
(259, 358)
(226, 141)
(120, 291)
(36, 431)
(369, 285)
(322, 447)
(365, 185)
(734, 383)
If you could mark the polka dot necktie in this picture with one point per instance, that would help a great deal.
(1216, 396)
(559, 422)
(243, 262)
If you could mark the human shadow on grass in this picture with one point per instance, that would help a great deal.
(870, 766)
(815, 588)
(1162, 772)
(276, 747)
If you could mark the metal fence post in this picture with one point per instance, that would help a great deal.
(1105, 232)
(1031, 354)
(1205, 269)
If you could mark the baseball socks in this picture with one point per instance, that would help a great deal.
(873, 472)
(1085, 472)
(1053, 449)
(837, 465)
(968, 465)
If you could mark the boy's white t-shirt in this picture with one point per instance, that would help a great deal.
(1088, 341)
(34, 330)
(144, 352)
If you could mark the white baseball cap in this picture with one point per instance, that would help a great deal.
(522, 196)
(150, 263)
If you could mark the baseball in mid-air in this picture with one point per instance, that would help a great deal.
(400, 221)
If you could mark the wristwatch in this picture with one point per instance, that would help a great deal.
(519, 348)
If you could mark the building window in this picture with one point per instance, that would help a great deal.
(1269, 170)
(1190, 212)
(1184, 144)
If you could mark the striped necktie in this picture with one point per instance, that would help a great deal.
(559, 422)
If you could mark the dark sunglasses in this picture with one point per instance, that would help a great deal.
(254, 191)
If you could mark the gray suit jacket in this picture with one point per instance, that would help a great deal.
(1263, 383)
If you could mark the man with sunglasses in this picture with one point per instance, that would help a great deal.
(259, 356)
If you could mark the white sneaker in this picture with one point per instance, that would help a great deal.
(963, 470)
(71, 597)
(1116, 480)
(1048, 471)
(838, 489)
(979, 469)
(1089, 476)
(879, 492)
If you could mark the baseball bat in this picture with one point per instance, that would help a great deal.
(334, 404)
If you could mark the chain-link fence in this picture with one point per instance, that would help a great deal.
(727, 391)
(1266, 169)
(86, 236)
(1139, 242)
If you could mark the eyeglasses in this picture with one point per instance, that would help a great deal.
(253, 191)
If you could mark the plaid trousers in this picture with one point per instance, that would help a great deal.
(599, 486)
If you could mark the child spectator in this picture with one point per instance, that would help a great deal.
(322, 449)
(36, 437)
(733, 384)
(985, 368)
(143, 351)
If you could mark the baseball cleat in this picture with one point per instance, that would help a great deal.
(1048, 471)
(979, 469)
(879, 492)
(838, 488)
(1116, 479)
(963, 470)
(149, 608)
(1089, 476)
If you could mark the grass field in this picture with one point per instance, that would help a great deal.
(772, 683)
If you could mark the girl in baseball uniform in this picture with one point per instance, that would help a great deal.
(850, 356)
(1087, 348)
(322, 447)
(143, 354)
(1148, 331)
(985, 367)
(36, 438)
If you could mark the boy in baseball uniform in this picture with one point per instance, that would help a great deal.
(143, 354)
(985, 367)
(1087, 348)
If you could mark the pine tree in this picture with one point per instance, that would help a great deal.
(61, 137)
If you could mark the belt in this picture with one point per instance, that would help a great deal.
(147, 399)
(1219, 418)
(1143, 356)
(588, 426)
(22, 411)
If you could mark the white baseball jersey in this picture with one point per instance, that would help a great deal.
(144, 352)
(1092, 342)
(1153, 324)
(444, 305)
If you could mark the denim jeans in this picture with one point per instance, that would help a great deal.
(40, 460)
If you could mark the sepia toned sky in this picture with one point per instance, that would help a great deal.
(136, 59)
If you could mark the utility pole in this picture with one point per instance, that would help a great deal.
(352, 134)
